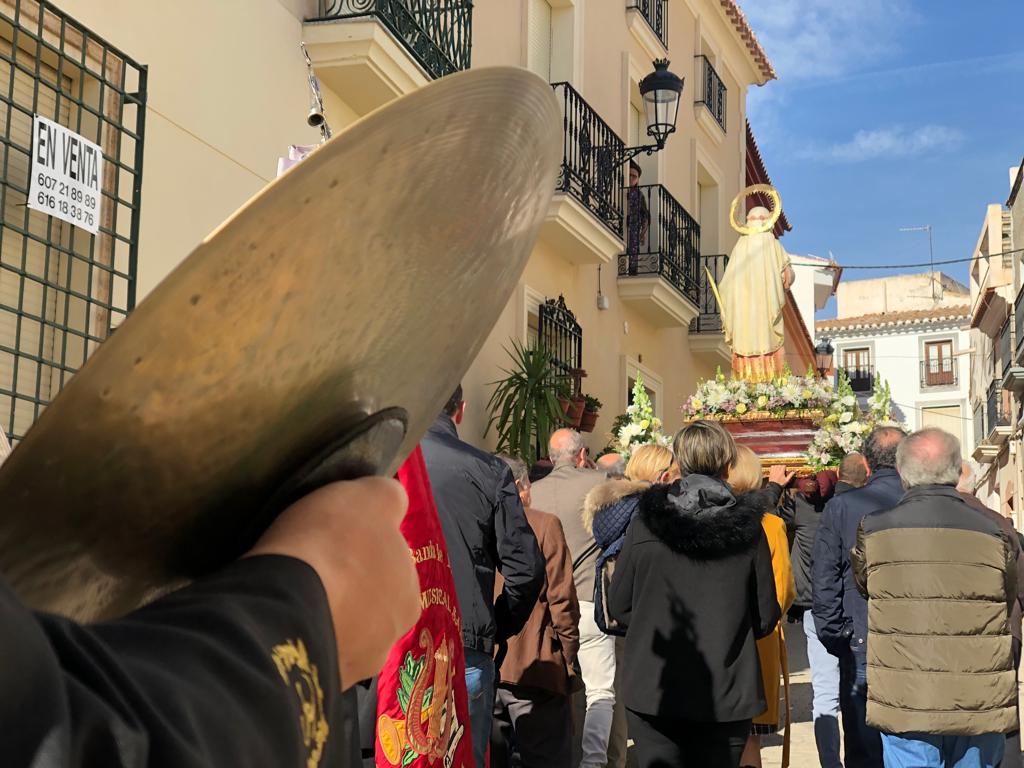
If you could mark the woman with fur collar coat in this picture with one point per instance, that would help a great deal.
(695, 589)
(611, 506)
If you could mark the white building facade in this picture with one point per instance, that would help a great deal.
(924, 355)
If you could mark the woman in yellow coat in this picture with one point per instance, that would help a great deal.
(745, 476)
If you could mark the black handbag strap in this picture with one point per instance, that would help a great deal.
(586, 553)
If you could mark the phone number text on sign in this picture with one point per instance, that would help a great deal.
(66, 176)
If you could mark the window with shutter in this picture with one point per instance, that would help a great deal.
(947, 417)
(538, 54)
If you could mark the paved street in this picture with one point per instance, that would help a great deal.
(802, 752)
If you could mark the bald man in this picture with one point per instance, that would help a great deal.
(612, 464)
(562, 494)
(853, 472)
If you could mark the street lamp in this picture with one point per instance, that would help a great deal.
(823, 354)
(661, 91)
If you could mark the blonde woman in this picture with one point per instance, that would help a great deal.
(611, 506)
(744, 477)
(607, 512)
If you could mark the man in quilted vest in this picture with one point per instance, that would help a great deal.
(940, 579)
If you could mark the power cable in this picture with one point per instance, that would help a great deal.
(906, 266)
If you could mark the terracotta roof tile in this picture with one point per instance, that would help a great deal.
(739, 21)
(881, 319)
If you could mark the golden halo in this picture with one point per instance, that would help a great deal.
(776, 211)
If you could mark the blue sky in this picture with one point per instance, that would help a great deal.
(887, 114)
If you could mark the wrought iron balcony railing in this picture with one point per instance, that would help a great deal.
(437, 33)
(661, 239)
(711, 91)
(590, 171)
(709, 317)
(862, 378)
(996, 412)
(939, 373)
(656, 14)
(1005, 349)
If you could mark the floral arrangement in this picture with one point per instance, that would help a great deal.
(638, 425)
(845, 426)
(719, 398)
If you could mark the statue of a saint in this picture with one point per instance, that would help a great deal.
(752, 293)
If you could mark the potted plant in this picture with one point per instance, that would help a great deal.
(591, 408)
(575, 413)
(524, 406)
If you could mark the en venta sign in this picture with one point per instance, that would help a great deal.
(66, 176)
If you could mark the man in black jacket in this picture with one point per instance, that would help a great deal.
(486, 530)
(840, 611)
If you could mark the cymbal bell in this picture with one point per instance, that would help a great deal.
(314, 335)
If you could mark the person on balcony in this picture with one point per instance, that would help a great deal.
(638, 219)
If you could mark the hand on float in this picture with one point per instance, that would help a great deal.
(348, 533)
(778, 473)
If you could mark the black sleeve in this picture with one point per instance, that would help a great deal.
(833, 626)
(519, 560)
(237, 669)
(764, 600)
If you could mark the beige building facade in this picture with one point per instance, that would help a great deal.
(196, 101)
(997, 379)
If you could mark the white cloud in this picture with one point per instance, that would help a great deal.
(811, 39)
(895, 141)
(814, 41)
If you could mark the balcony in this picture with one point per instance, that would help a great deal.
(1013, 372)
(372, 51)
(981, 450)
(584, 222)
(1018, 314)
(707, 337)
(939, 373)
(997, 414)
(712, 94)
(991, 423)
(862, 378)
(648, 21)
(659, 270)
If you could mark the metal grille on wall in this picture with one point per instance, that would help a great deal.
(711, 91)
(438, 33)
(62, 289)
(560, 334)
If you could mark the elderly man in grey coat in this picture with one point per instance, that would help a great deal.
(562, 494)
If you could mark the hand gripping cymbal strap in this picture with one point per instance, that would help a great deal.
(366, 449)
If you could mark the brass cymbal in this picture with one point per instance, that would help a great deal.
(366, 278)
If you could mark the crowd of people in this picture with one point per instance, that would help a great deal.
(644, 603)
(601, 604)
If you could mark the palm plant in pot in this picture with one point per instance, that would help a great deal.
(524, 406)
(591, 408)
